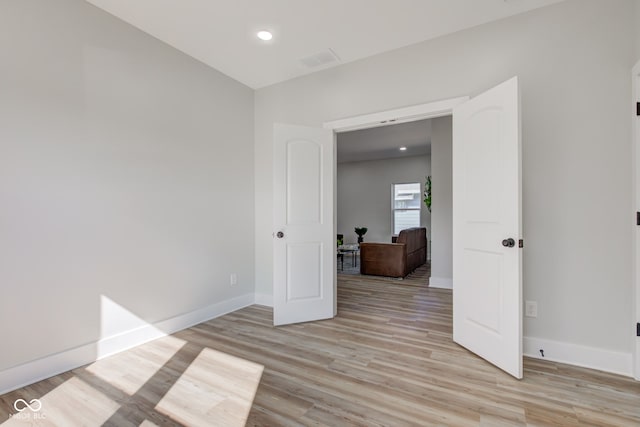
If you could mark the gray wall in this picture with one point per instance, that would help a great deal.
(126, 171)
(441, 209)
(364, 195)
(637, 27)
(574, 60)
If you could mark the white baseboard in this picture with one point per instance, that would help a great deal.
(579, 355)
(441, 282)
(264, 299)
(54, 364)
(37, 370)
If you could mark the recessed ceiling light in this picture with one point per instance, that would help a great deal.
(403, 148)
(265, 35)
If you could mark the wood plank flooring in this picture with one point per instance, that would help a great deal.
(387, 359)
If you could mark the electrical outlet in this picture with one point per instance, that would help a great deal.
(233, 279)
(531, 309)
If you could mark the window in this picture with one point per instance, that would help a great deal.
(405, 204)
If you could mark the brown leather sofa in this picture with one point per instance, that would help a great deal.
(395, 259)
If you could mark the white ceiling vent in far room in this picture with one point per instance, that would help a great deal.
(321, 58)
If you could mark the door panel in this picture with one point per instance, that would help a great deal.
(304, 275)
(304, 186)
(304, 257)
(487, 287)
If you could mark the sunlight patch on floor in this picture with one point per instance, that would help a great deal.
(74, 403)
(216, 388)
(142, 364)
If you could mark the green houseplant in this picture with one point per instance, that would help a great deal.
(427, 192)
(360, 231)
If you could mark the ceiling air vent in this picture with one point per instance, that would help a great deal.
(321, 58)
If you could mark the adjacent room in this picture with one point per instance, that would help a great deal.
(221, 213)
(381, 177)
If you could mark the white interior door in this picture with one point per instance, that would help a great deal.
(304, 245)
(487, 266)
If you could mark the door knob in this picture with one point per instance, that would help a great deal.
(280, 234)
(508, 243)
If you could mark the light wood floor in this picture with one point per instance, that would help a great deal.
(386, 360)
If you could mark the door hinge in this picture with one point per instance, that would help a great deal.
(637, 108)
(521, 243)
(638, 329)
(637, 218)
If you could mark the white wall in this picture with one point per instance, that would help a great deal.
(126, 171)
(364, 195)
(574, 61)
(441, 208)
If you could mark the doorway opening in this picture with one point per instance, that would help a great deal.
(381, 174)
(427, 118)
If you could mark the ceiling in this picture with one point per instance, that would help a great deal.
(385, 142)
(222, 33)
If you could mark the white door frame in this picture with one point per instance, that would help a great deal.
(635, 135)
(412, 113)
(395, 116)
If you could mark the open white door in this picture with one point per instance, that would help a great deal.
(304, 243)
(487, 261)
